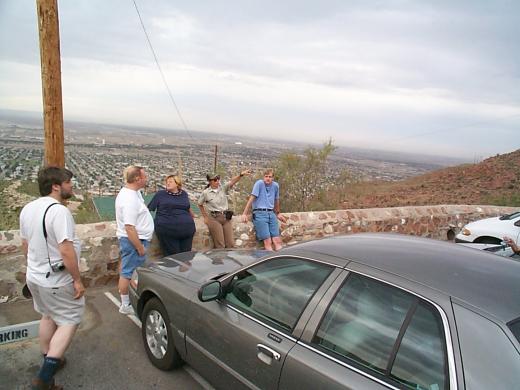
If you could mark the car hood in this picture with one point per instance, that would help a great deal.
(200, 267)
(489, 223)
(494, 227)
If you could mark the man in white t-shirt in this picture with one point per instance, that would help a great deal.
(52, 250)
(134, 230)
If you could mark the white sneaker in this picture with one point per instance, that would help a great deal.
(126, 309)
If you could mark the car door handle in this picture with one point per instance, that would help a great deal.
(266, 354)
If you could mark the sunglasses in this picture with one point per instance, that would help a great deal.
(215, 179)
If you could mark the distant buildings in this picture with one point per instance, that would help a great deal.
(98, 157)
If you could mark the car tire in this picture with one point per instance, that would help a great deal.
(158, 336)
(488, 240)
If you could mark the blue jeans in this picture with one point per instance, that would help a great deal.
(130, 259)
(266, 224)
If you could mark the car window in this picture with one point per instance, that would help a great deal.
(376, 327)
(510, 216)
(420, 362)
(515, 328)
(277, 290)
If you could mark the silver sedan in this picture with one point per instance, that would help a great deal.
(367, 311)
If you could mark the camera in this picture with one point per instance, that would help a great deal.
(58, 266)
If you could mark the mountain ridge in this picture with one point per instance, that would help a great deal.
(494, 181)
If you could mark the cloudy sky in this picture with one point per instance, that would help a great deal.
(436, 77)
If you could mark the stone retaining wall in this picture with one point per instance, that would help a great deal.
(100, 253)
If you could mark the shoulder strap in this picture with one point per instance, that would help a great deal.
(43, 221)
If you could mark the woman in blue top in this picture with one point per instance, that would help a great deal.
(174, 223)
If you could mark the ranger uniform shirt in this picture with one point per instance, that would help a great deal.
(215, 199)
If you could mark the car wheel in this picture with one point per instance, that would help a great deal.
(488, 240)
(158, 337)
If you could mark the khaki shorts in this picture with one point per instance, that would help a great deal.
(58, 303)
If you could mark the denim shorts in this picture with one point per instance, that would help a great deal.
(130, 259)
(266, 224)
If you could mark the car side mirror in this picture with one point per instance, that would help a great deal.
(517, 223)
(210, 291)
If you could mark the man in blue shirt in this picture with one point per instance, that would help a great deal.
(265, 200)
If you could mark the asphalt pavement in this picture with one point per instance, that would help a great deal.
(107, 351)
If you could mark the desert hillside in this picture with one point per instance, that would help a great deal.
(495, 180)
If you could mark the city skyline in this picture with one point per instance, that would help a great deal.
(436, 79)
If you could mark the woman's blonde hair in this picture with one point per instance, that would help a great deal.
(176, 179)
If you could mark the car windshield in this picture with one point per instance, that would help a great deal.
(509, 217)
(515, 328)
(501, 250)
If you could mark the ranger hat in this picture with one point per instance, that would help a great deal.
(212, 176)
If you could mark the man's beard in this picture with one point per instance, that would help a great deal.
(65, 194)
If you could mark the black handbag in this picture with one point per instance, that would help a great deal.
(229, 214)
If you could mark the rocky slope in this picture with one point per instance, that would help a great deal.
(495, 181)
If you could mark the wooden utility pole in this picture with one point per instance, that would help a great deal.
(48, 24)
(216, 159)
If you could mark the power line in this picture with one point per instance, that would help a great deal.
(161, 72)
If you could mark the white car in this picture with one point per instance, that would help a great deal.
(503, 250)
(491, 230)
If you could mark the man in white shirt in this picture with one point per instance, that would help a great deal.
(52, 250)
(134, 230)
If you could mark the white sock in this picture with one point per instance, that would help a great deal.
(125, 300)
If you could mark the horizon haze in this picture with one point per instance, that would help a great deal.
(35, 119)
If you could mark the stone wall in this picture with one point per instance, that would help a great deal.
(100, 253)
